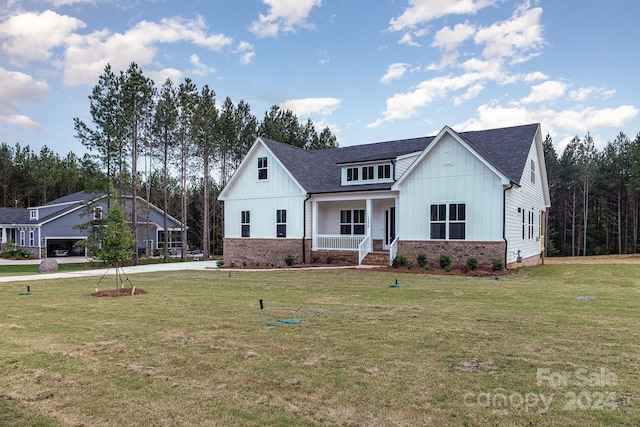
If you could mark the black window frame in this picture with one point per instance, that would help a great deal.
(245, 223)
(263, 169)
(281, 223)
(448, 221)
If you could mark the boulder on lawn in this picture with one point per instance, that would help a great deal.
(48, 266)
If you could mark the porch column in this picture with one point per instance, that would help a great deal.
(397, 215)
(3, 234)
(314, 225)
(367, 213)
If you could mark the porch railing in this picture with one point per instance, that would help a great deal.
(363, 249)
(329, 242)
(393, 250)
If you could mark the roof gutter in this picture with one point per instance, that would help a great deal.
(504, 221)
(304, 228)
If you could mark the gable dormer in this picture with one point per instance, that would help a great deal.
(33, 214)
(367, 173)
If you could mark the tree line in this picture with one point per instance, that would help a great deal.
(173, 146)
(595, 197)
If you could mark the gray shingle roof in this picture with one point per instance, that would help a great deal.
(320, 171)
(14, 216)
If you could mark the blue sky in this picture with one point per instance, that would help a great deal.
(370, 70)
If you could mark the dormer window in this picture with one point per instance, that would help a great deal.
(367, 173)
(262, 168)
(97, 212)
(352, 174)
(33, 214)
(384, 171)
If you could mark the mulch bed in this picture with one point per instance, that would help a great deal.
(122, 292)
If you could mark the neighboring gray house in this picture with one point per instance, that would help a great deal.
(481, 194)
(48, 230)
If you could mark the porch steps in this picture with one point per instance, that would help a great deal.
(377, 258)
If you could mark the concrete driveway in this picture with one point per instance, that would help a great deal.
(173, 266)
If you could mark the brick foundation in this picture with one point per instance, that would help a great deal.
(334, 257)
(262, 252)
(458, 251)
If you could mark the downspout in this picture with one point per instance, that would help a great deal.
(504, 222)
(304, 228)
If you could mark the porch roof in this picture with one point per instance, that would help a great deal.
(14, 216)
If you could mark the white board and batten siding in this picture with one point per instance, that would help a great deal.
(522, 231)
(450, 173)
(262, 198)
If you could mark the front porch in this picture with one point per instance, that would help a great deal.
(357, 224)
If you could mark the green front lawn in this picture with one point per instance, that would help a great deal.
(438, 350)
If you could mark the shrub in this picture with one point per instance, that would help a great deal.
(289, 259)
(472, 263)
(497, 264)
(329, 259)
(220, 263)
(445, 261)
(402, 260)
(421, 259)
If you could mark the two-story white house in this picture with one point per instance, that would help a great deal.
(481, 194)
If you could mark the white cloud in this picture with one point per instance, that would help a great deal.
(16, 86)
(513, 37)
(246, 52)
(159, 77)
(201, 69)
(536, 75)
(404, 105)
(284, 15)
(15, 89)
(423, 11)
(449, 39)
(556, 122)
(86, 55)
(408, 40)
(544, 92)
(308, 106)
(472, 92)
(582, 93)
(394, 72)
(32, 36)
(20, 121)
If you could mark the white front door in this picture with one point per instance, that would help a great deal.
(389, 226)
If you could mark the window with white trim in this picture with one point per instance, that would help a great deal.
(33, 214)
(352, 222)
(384, 171)
(32, 240)
(262, 168)
(21, 237)
(281, 223)
(245, 221)
(352, 174)
(533, 172)
(367, 173)
(448, 222)
(97, 212)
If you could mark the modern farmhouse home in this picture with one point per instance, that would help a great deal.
(481, 194)
(48, 230)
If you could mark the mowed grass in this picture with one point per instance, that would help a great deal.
(437, 350)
